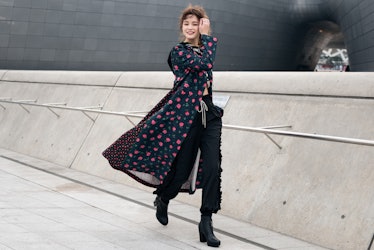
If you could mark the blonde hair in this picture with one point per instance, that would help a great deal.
(195, 10)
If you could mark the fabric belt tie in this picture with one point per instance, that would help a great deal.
(203, 109)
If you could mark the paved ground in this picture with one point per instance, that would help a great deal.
(45, 206)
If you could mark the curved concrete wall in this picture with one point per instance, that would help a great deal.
(138, 35)
(318, 191)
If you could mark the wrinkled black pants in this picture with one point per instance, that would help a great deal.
(209, 141)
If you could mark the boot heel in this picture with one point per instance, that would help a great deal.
(202, 236)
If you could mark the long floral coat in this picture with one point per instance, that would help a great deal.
(146, 152)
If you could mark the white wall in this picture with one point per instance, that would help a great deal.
(318, 191)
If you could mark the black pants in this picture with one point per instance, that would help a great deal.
(209, 141)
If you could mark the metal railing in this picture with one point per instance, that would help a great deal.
(136, 114)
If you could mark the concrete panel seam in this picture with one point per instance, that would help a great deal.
(93, 123)
(56, 83)
(3, 75)
(295, 95)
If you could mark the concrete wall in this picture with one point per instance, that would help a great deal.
(318, 191)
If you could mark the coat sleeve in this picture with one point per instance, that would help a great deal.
(183, 57)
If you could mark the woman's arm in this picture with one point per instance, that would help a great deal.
(183, 57)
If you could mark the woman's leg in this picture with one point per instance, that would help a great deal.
(179, 173)
(211, 180)
(211, 165)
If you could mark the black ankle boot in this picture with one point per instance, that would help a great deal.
(206, 232)
(161, 210)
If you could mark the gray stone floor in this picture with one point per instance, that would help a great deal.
(45, 206)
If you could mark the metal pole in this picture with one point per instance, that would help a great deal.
(233, 127)
(302, 135)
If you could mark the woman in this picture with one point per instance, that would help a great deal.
(176, 147)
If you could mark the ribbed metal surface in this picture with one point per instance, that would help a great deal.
(137, 35)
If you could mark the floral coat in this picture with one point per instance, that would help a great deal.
(146, 152)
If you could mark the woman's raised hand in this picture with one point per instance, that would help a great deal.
(204, 26)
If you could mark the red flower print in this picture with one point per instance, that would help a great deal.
(159, 116)
(144, 136)
(179, 106)
(148, 154)
(210, 65)
(167, 139)
(187, 113)
(164, 131)
(159, 136)
(179, 141)
(160, 143)
(186, 85)
(155, 149)
(176, 67)
(153, 122)
(180, 53)
(210, 44)
(170, 101)
(181, 124)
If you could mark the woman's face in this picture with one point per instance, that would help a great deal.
(190, 29)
